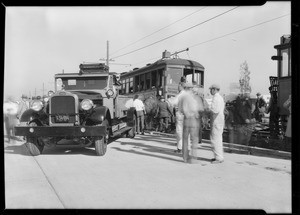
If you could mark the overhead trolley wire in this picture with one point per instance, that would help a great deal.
(178, 32)
(243, 29)
(237, 31)
(159, 30)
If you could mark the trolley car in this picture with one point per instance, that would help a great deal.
(161, 77)
(280, 88)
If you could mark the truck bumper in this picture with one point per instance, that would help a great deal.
(60, 131)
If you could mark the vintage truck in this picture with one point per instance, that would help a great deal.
(85, 110)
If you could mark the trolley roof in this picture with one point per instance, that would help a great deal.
(168, 62)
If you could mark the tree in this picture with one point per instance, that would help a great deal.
(244, 78)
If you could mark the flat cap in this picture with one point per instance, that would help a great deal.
(214, 86)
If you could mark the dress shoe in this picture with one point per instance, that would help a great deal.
(217, 161)
(193, 161)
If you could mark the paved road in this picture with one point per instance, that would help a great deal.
(144, 173)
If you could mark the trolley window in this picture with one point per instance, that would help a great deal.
(131, 85)
(154, 79)
(173, 75)
(285, 63)
(148, 79)
(142, 81)
(137, 83)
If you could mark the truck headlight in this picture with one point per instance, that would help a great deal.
(110, 92)
(86, 104)
(37, 105)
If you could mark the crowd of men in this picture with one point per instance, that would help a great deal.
(189, 108)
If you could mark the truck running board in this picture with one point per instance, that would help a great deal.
(121, 131)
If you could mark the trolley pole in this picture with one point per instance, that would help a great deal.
(175, 53)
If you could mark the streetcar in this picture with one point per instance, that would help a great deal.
(280, 88)
(161, 78)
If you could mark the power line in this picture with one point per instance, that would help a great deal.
(159, 30)
(177, 33)
(243, 29)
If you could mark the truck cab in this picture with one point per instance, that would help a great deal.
(85, 110)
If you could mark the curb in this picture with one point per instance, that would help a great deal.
(241, 149)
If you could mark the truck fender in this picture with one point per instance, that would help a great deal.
(99, 114)
(28, 115)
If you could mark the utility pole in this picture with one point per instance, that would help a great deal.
(107, 58)
(107, 54)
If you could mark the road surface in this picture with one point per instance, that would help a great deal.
(143, 173)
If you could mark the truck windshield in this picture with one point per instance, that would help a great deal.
(84, 83)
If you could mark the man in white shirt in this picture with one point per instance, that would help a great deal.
(140, 113)
(217, 121)
(179, 119)
(191, 106)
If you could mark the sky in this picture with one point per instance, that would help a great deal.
(43, 41)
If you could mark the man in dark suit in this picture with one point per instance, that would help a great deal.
(260, 107)
(163, 112)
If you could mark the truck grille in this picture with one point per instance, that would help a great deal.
(63, 109)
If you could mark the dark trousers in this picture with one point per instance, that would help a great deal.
(140, 121)
(190, 127)
(200, 129)
(163, 123)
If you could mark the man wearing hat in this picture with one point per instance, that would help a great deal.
(191, 107)
(217, 121)
(23, 105)
(260, 107)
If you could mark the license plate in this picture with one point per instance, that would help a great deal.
(62, 118)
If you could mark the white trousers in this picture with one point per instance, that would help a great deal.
(216, 140)
(179, 131)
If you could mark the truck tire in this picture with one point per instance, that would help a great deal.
(35, 146)
(100, 146)
(101, 142)
(131, 133)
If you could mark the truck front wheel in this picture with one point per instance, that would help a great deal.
(100, 146)
(34, 145)
(101, 142)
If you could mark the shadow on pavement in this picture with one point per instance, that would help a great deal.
(16, 148)
(69, 150)
(146, 154)
(157, 149)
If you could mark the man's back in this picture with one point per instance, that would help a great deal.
(163, 109)
(138, 104)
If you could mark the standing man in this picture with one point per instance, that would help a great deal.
(190, 105)
(140, 114)
(260, 107)
(217, 121)
(198, 91)
(164, 112)
(23, 105)
(179, 118)
(10, 109)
